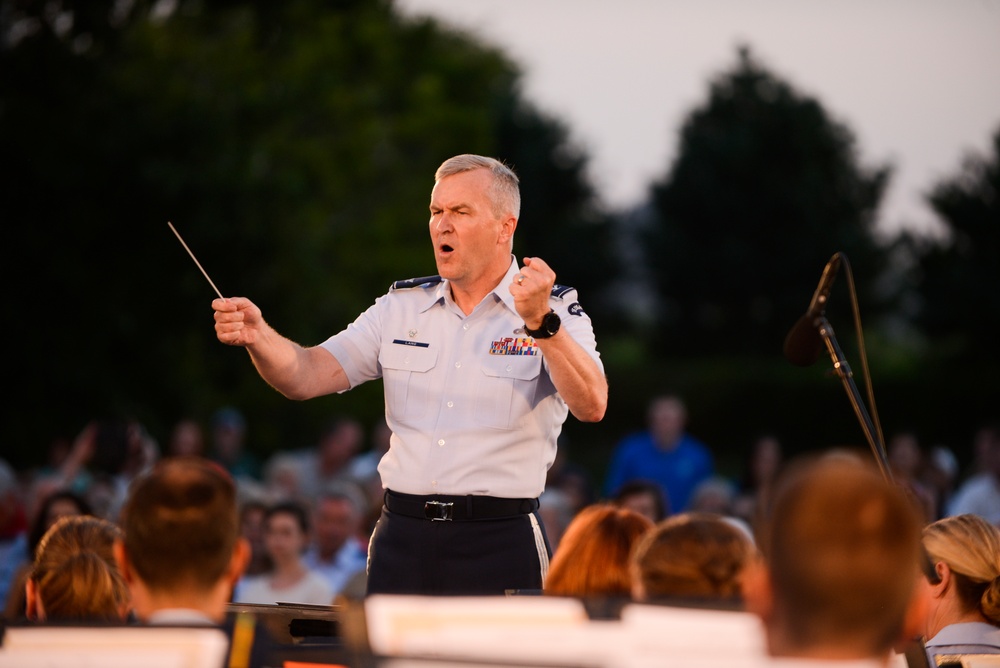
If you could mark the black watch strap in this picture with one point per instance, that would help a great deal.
(550, 325)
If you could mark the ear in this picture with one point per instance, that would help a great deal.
(758, 592)
(507, 227)
(32, 603)
(238, 562)
(121, 558)
(943, 571)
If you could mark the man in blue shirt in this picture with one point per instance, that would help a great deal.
(664, 454)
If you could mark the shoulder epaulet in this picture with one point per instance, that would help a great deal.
(422, 282)
(560, 291)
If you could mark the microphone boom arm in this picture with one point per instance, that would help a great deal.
(843, 369)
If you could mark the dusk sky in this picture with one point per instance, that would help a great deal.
(917, 81)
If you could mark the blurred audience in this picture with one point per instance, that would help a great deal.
(286, 537)
(330, 459)
(556, 512)
(364, 465)
(74, 576)
(335, 551)
(761, 469)
(980, 493)
(940, 475)
(251, 522)
(229, 447)
(906, 462)
(715, 495)
(964, 583)
(569, 477)
(664, 452)
(13, 528)
(646, 497)
(187, 437)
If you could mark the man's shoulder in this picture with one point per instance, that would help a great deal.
(560, 291)
(422, 282)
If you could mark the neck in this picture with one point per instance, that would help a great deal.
(211, 602)
(781, 645)
(949, 612)
(288, 570)
(468, 294)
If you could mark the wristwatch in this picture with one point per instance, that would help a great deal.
(550, 325)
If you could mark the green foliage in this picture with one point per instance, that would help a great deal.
(292, 144)
(958, 277)
(764, 190)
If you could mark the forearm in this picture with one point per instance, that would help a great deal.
(577, 377)
(296, 372)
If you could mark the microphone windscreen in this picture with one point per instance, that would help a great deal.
(803, 344)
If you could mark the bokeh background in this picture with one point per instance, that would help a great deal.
(293, 145)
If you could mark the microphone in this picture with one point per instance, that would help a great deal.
(803, 345)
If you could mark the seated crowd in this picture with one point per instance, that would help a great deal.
(839, 561)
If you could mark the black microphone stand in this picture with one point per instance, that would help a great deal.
(843, 369)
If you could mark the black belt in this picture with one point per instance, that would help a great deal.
(457, 508)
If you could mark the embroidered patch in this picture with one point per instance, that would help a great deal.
(514, 346)
(575, 309)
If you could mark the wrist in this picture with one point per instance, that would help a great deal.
(546, 327)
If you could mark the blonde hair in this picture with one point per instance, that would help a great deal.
(75, 574)
(504, 193)
(971, 547)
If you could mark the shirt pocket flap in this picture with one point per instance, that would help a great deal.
(407, 358)
(518, 367)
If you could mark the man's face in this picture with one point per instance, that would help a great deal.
(468, 238)
(335, 521)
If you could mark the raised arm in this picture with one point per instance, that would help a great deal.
(295, 371)
(577, 377)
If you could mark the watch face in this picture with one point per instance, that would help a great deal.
(549, 326)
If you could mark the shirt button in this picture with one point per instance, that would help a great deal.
(451, 404)
(434, 483)
(508, 367)
(441, 442)
(465, 326)
(458, 365)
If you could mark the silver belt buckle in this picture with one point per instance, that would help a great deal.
(439, 511)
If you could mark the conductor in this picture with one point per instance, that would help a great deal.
(481, 365)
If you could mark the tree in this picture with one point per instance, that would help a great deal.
(765, 188)
(292, 144)
(957, 277)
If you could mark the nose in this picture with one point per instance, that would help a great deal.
(442, 223)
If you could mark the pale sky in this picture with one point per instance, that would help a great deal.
(917, 81)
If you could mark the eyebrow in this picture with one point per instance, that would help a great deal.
(454, 207)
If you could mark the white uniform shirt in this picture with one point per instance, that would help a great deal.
(468, 398)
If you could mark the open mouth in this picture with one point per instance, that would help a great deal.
(445, 248)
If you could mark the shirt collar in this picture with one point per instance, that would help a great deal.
(966, 633)
(501, 291)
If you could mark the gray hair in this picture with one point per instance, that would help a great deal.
(504, 193)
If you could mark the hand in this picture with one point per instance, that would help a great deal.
(531, 289)
(238, 321)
